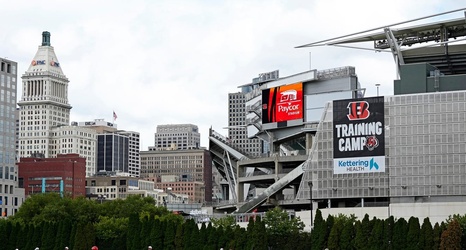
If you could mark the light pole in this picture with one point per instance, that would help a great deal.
(377, 85)
(310, 198)
(101, 198)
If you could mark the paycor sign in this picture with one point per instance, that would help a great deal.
(358, 136)
(283, 103)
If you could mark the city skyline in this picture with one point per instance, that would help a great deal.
(175, 62)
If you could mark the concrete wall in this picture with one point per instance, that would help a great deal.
(437, 212)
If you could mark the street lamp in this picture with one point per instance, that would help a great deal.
(101, 198)
(310, 198)
(377, 85)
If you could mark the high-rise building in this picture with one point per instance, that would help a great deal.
(11, 197)
(193, 166)
(177, 136)
(75, 140)
(44, 103)
(133, 165)
(237, 130)
(134, 159)
(44, 112)
(112, 153)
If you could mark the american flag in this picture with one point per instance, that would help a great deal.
(114, 115)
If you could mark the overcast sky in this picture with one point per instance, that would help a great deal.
(160, 62)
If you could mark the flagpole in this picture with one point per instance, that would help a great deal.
(114, 116)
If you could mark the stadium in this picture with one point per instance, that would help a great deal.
(328, 146)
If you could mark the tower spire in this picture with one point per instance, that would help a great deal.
(45, 38)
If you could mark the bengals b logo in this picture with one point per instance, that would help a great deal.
(358, 110)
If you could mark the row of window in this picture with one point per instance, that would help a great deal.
(8, 68)
(6, 189)
(4, 200)
(177, 128)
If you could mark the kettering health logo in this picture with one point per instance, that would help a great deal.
(358, 165)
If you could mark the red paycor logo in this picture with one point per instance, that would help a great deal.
(358, 110)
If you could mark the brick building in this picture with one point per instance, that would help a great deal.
(66, 172)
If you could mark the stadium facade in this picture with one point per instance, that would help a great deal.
(401, 155)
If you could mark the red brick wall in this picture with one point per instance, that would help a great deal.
(71, 168)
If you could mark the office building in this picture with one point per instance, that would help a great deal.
(11, 196)
(134, 159)
(177, 137)
(64, 174)
(111, 186)
(74, 140)
(44, 104)
(237, 130)
(193, 165)
(111, 152)
(44, 112)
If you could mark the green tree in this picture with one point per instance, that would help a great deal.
(451, 237)
(334, 236)
(389, 224)
(179, 237)
(259, 232)
(240, 237)
(318, 233)
(22, 232)
(436, 236)
(85, 236)
(133, 204)
(37, 235)
(347, 235)
(12, 232)
(412, 237)
(74, 227)
(251, 241)
(197, 238)
(48, 236)
(227, 221)
(108, 230)
(3, 231)
(132, 234)
(280, 225)
(146, 228)
(399, 234)
(29, 235)
(63, 234)
(426, 235)
(376, 236)
(329, 224)
(169, 239)
(157, 234)
(212, 238)
(229, 237)
(203, 234)
(33, 208)
(360, 240)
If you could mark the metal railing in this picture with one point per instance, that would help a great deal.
(246, 217)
